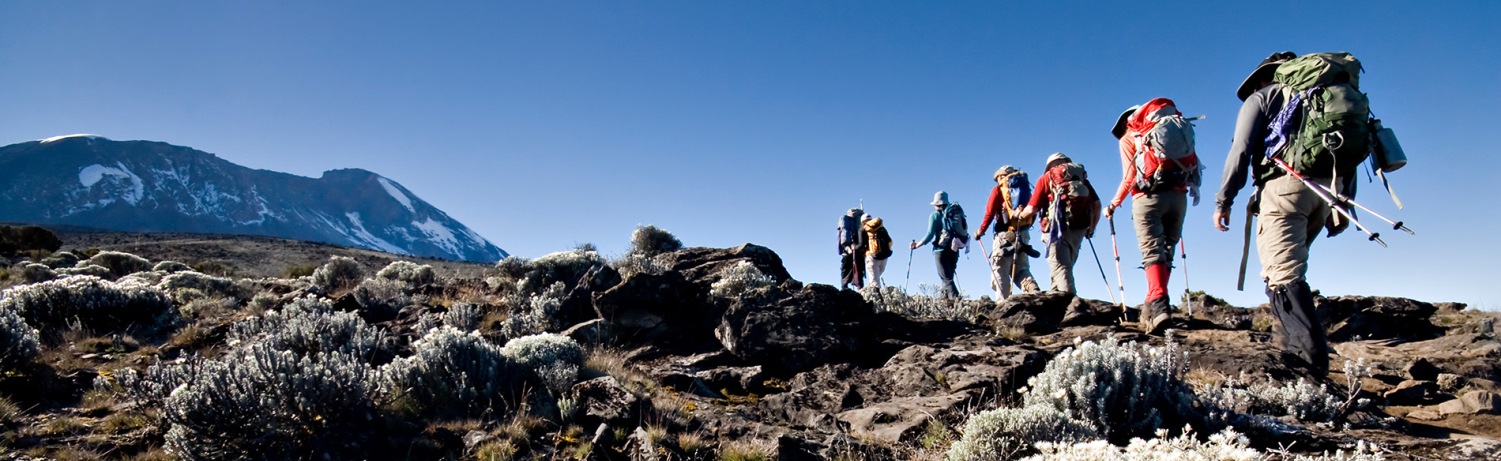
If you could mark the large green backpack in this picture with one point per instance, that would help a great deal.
(1325, 127)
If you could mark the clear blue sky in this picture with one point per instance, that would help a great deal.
(546, 124)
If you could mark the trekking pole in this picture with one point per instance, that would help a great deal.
(1187, 288)
(1334, 203)
(908, 283)
(1341, 199)
(1102, 270)
(988, 267)
(1119, 280)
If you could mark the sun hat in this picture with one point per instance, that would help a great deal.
(940, 198)
(1263, 71)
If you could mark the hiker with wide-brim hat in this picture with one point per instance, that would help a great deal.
(945, 255)
(1069, 209)
(1159, 172)
(1290, 216)
(1009, 261)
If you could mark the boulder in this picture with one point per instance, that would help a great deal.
(590, 333)
(706, 265)
(1421, 369)
(813, 326)
(1082, 312)
(1473, 402)
(604, 401)
(661, 309)
(1357, 317)
(963, 366)
(898, 420)
(1033, 313)
(1411, 392)
(577, 304)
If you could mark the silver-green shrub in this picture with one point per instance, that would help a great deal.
(120, 264)
(339, 273)
(651, 240)
(90, 302)
(36, 273)
(90, 270)
(743, 280)
(1223, 446)
(1121, 390)
(1007, 433)
(534, 314)
(206, 285)
(567, 267)
(61, 260)
(308, 326)
(171, 266)
(18, 341)
(262, 402)
(513, 268)
(383, 295)
(452, 373)
(465, 317)
(555, 359)
(409, 273)
(927, 304)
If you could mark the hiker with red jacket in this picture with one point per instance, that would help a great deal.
(1160, 170)
(1009, 262)
(1070, 210)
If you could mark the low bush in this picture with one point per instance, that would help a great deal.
(1223, 446)
(170, 267)
(555, 359)
(205, 284)
(36, 273)
(1120, 390)
(650, 241)
(15, 240)
(265, 403)
(741, 281)
(18, 341)
(534, 314)
(927, 304)
(309, 326)
(382, 296)
(453, 374)
(89, 302)
(61, 260)
(89, 270)
(566, 267)
(299, 270)
(1006, 433)
(461, 316)
(338, 274)
(120, 264)
(411, 274)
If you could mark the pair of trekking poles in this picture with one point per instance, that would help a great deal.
(1121, 281)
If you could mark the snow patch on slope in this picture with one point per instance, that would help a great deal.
(92, 174)
(439, 235)
(397, 194)
(79, 135)
(362, 235)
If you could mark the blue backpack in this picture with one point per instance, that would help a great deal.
(955, 234)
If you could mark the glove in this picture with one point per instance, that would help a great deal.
(1193, 191)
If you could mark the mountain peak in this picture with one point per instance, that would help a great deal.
(152, 186)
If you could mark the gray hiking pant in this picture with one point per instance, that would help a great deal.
(1061, 257)
(947, 260)
(1159, 224)
(876, 268)
(1008, 264)
(1291, 217)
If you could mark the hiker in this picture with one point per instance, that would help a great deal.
(880, 248)
(1071, 208)
(1009, 262)
(1160, 171)
(1291, 213)
(852, 245)
(946, 230)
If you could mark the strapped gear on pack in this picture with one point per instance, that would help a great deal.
(1165, 158)
(1072, 202)
(1015, 180)
(1324, 129)
(880, 240)
(954, 230)
(849, 230)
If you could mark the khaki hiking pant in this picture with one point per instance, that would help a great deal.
(1002, 258)
(1159, 224)
(1061, 258)
(876, 267)
(1291, 217)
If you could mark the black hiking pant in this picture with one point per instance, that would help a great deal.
(947, 260)
(1298, 327)
(852, 268)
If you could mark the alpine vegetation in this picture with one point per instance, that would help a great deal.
(534, 314)
(1121, 390)
(1006, 433)
(90, 270)
(339, 273)
(175, 283)
(566, 267)
(453, 374)
(555, 359)
(272, 404)
(120, 264)
(170, 267)
(18, 341)
(742, 280)
(1226, 445)
(382, 296)
(89, 302)
(411, 274)
(648, 241)
(36, 273)
(308, 326)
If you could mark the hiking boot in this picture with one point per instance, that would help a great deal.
(1030, 286)
(1159, 315)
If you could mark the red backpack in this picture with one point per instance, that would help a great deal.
(1165, 158)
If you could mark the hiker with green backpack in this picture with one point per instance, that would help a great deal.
(948, 232)
(1069, 209)
(1160, 171)
(1302, 131)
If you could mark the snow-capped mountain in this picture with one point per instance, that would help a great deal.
(89, 181)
